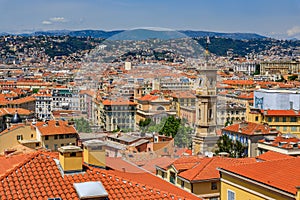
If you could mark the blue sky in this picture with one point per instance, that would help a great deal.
(278, 18)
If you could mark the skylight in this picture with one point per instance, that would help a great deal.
(88, 190)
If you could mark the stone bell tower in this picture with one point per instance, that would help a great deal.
(206, 108)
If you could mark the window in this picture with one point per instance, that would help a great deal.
(31, 135)
(269, 119)
(55, 137)
(293, 128)
(61, 136)
(46, 137)
(182, 183)
(73, 154)
(46, 146)
(256, 118)
(276, 119)
(165, 150)
(230, 195)
(284, 119)
(163, 174)
(55, 146)
(284, 128)
(19, 137)
(293, 119)
(213, 186)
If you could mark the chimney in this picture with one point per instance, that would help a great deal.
(243, 125)
(94, 153)
(56, 123)
(70, 158)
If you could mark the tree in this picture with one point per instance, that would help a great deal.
(183, 138)
(144, 123)
(233, 147)
(171, 126)
(82, 125)
(293, 77)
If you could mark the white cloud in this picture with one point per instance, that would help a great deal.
(293, 31)
(45, 22)
(58, 19)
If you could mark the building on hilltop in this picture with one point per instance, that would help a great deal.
(280, 67)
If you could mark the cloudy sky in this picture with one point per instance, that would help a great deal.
(278, 18)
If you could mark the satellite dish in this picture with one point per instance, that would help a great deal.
(210, 154)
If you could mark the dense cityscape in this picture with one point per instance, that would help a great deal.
(148, 113)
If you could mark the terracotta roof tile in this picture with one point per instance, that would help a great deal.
(281, 113)
(115, 183)
(206, 168)
(54, 127)
(148, 97)
(282, 174)
(118, 102)
(272, 155)
(250, 128)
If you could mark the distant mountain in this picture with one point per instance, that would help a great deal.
(237, 36)
(143, 34)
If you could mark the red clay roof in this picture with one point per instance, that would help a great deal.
(9, 162)
(206, 168)
(156, 182)
(282, 174)
(185, 162)
(238, 82)
(12, 111)
(272, 155)
(38, 177)
(281, 113)
(148, 97)
(122, 165)
(118, 102)
(250, 128)
(289, 142)
(150, 164)
(50, 128)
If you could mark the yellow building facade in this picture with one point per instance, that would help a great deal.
(275, 179)
(285, 121)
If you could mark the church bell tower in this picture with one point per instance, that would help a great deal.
(206, 108)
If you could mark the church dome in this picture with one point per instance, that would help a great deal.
(16, 118)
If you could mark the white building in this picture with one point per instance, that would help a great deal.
(277, 99)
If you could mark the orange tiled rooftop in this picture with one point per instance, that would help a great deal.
(38, 177)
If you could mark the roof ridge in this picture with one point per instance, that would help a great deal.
(197, 165)
(202, 168)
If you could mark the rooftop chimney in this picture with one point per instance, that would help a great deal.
(70, 158)
(94, 153)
